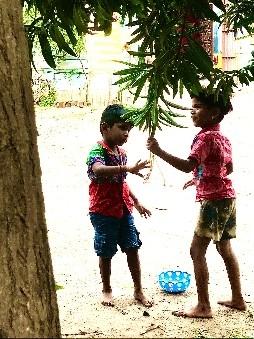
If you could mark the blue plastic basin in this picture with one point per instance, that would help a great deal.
(174, 281)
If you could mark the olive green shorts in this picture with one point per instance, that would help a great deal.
(217, 219)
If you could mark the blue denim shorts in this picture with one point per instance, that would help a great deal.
(110, 232)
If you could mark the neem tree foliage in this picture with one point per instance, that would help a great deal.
(168, 32)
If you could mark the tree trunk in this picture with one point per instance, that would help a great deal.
(28, 306)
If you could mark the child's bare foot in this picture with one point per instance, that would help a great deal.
(236, 304)
(107, 299)
(140, 297)
(195, 312)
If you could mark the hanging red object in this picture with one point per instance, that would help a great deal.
(204, 36)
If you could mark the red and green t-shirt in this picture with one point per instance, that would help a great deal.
(110, 195)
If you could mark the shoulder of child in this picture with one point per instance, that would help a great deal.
(98, 147)
(214, 136)
(95, 151)
(211, 134)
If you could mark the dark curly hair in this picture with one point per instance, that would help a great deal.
(214, 100)
(113, 114)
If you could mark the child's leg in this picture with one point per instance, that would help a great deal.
(105, 245)
(198, 251)
(105, 271)
(225, 250)
(135, 270)
(130, 243)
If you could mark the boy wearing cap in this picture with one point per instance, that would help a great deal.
(112, 201)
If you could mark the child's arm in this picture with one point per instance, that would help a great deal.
(103, 170)
(139, 207)
(183, 165)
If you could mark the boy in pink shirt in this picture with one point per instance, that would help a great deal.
(210, 160)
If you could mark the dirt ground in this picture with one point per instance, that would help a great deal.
(65, 136)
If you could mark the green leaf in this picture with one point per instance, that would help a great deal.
(137, 117)
(79, 20)
(127, 71)
(136, 38)
(136, 31)
(166, 116)
(125, 79)
(218, 89)
(142, 81)
(174, 84)
(57, 36)
(198, 56)
(172, 104)
(181, 88)
(162, 122)
(140, 54)
(58, 287)
(136, 2)
(204, 8)
(140, 65)
(46, 49)
(134, 82)
(106, 27)
(219, 4)
(189, 78)
(71, 35)
(243, 79)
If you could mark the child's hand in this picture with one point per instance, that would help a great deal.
(153, 145)
(138, 166)
(144, 212)
(189, 183)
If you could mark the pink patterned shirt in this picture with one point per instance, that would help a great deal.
(213, 152)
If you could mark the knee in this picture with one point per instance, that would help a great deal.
(197, 253)
(131, 251)
(224, 251)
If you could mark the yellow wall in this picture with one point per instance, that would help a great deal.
(102, 55)
(103, 50)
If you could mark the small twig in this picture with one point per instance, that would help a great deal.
(147, 176)
(152, 328)
(161, 173)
